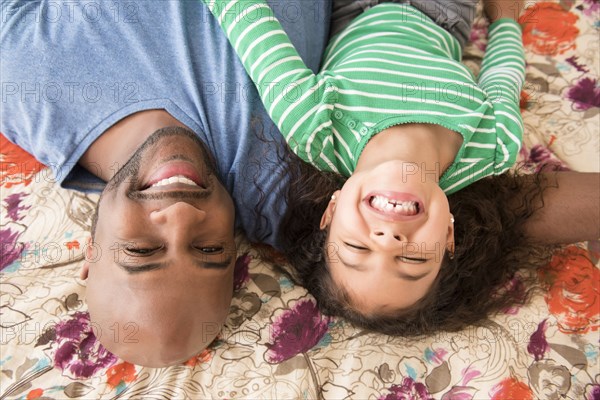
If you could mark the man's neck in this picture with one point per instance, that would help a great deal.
(427, 145)
(118, 143)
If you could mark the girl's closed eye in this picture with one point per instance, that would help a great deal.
(356, 246)
(413, 260)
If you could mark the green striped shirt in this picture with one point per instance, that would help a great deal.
(392, 65)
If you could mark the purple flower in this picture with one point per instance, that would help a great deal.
(10, 249)
(592, 392)
(575, 63)
(468, 374)
(240, 273)
(538, 345)
(544, 159)
(79, 353)
(515, 286)
(14, 207)
(590, 7)
(478, 35)
(296, 331)
(460, 393)
(585, 94)
(408, 390)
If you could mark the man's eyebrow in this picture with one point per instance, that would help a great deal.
(136, 268)
(214, 265)
(402, 275)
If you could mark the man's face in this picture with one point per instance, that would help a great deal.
(160, 271)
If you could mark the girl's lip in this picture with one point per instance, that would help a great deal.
(175, 168)
(397, 197)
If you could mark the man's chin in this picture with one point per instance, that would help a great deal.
(163, 146)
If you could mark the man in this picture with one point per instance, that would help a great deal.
(149, 97)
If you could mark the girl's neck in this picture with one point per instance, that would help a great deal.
(431, 147)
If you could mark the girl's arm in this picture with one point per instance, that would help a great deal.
(288, 88)
(502, 76)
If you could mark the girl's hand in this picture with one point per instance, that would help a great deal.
(498, 9)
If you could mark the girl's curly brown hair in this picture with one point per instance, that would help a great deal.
(490, 248)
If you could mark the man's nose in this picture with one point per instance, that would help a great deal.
(178, 215)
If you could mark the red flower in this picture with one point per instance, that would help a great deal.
(511, 388)
(573, 284)
(123, 372)
(204, 356)
(524, 100)
(548, 29)
(18, 166)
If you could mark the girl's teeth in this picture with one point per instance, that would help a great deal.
(384, 204)
(174, 179)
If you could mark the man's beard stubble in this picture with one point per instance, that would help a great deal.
(128, 174)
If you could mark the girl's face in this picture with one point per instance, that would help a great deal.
(389, 228)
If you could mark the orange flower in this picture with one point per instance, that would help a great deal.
(204, 356)
(16, 165)
(124, 372)
(548, 29)
(573, 284)
(511, 388)
(35, 394)
(74, 244)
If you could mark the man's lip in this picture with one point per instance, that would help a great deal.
(175, 168)
(397, 197)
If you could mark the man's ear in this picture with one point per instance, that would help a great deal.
(83, 272)
(328, 214)
(85, 269)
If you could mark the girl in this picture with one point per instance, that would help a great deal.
(395, 111)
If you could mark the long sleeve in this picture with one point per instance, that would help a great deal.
(502, 76)
(291, 93)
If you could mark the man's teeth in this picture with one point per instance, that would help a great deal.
(384, 204)
(174, 179)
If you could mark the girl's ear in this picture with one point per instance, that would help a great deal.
(328, 214)
(450, 237)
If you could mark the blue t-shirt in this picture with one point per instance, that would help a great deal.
(70, 70)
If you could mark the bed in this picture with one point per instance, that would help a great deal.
(276, 344)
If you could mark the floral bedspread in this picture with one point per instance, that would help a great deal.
(276, 344)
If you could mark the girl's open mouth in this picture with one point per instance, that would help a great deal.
(394, 205)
